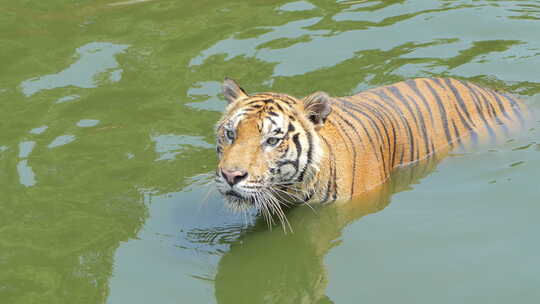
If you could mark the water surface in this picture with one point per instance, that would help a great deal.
(106, 144)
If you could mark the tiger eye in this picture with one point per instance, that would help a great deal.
(229, 134)
(272, 141)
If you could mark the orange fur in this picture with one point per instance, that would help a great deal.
(336, 148)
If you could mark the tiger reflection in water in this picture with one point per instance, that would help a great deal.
(268, 266)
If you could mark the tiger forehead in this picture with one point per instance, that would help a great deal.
(267, 120)
(269, 102)
(273, 112)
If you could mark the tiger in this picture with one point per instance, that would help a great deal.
(275, 150)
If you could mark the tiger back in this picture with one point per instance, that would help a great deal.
(403, 123)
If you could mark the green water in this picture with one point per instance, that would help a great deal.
(106, 141)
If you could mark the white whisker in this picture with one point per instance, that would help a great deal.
(276, 207)
(205, 199)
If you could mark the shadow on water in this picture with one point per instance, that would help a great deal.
(269, 267)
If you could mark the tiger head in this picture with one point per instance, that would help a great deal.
(269, 148)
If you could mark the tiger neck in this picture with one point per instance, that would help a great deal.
(322, 188)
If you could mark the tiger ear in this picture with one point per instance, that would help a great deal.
(317, 108)
(232, 91)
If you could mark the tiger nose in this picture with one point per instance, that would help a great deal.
(234, 176)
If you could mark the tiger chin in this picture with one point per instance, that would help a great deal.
(276, 150)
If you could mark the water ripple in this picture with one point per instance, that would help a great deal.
(93, 59)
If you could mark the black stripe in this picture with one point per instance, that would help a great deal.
(294, 163)
(288, 100)
(460, 100)
(283, 162)
(499, 103)
(251, 109)
(392, 105)
(363, 127)
(353, 127)
(458, 135)
(414, 87)
(334, 178)
(255, 101)
(271, 120)
(332, 174)
(485, 104)
(491, 107)
(355, 108)
(473, 92)
(309, 156)
(296, 141)
(375, 151)
(395, 91)
(490, 110)
(494, 114)
(290, 128)
(380, 117)
(352, 149)
(327, 193)
(309, 152)
(423, 127)
(334, 195)
(517, 112)
(462, 119)
(393, 122)
(442, 110)
(437, 81)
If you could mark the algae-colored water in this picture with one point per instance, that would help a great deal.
(106, 143)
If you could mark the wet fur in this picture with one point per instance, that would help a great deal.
(333, 149)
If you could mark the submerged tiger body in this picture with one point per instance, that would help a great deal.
(275, 149)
